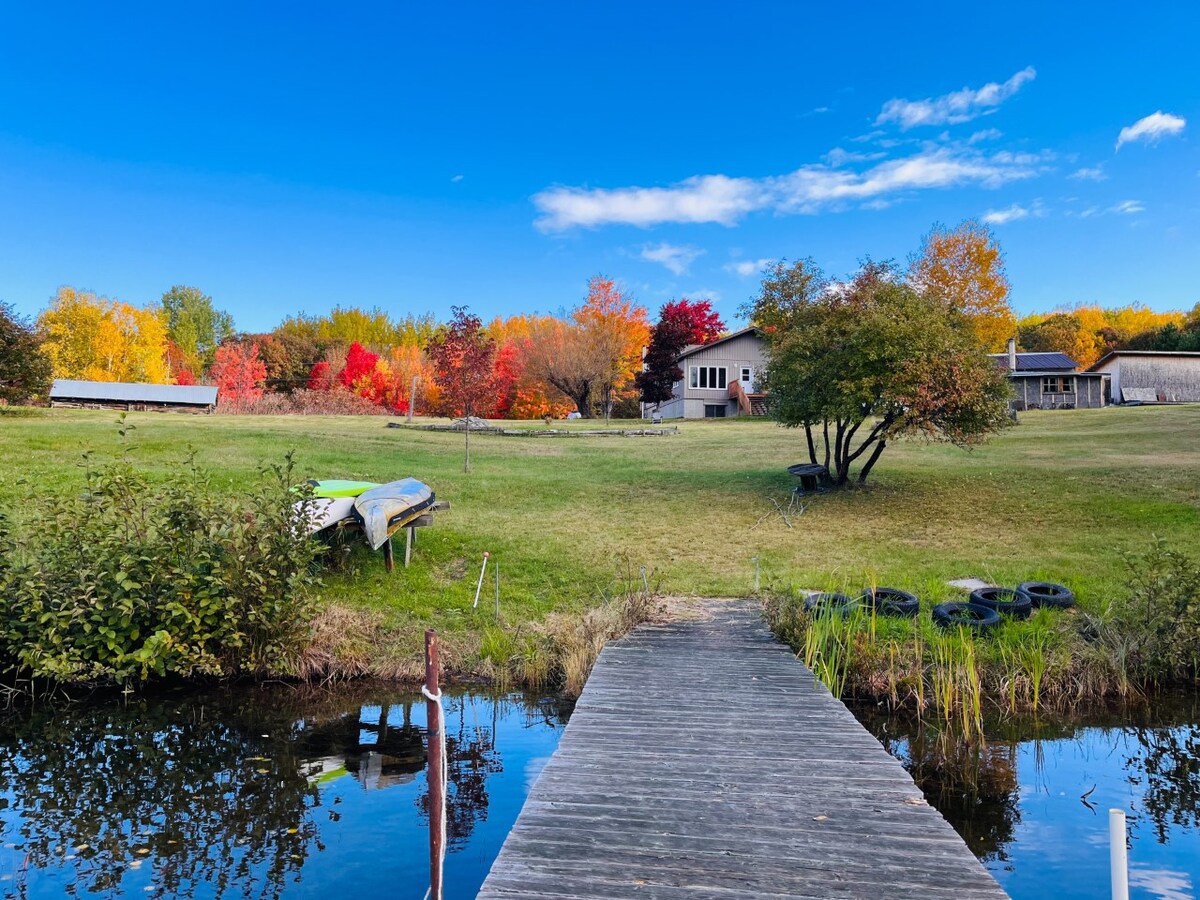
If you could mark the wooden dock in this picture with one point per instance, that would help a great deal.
(704, 761)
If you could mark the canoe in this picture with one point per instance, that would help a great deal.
(387, 507)
(333, 502)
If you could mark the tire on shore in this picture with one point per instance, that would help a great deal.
(965, 615)
(830, 604)
(891, 602)
(1005, 601)
(1047, 593)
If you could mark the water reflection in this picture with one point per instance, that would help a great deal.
(244, 793)
(1032, 803)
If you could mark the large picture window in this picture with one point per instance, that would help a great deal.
(708, 377)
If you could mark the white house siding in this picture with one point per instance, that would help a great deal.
(1173, 378)
(732, 355)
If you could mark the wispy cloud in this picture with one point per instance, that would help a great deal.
(675, 258)
(725, 200)
(951, 109)
(1014, 213)
(1089, 173)
(1129, 207)
(456, 179)
(988, 134)
(1151, 128)
(747, 267)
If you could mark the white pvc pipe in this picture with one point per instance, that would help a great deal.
(1117, 857)
(479, 585)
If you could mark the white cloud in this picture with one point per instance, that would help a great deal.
(1151, 128)
(1014, 213)
(951, 109)
(1129, 207)
(1089, 212)
(456, 179)
(675, 258)
(809, 189)
(703, 294)
(1165, 884)
(747, 267)
(1089, 173)
(988, 134)
(1008, 214)
(839, 157)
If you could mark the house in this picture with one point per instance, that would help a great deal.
(1049, 381)
(120, 395)
(1150, 376)
(719, 379)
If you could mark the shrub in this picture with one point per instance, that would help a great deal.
(336, 402)
(133, 579)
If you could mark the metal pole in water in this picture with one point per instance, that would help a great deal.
(479, 585)
(436, 767)
(1117, 855)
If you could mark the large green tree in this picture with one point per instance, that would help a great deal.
(24, 369)
(195, 326)
(860, 363)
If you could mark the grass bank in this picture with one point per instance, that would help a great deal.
(572, 521)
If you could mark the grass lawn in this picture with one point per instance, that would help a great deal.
(571, 519)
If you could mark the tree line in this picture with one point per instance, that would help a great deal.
(602, 357)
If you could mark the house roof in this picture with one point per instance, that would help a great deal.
(1186, 354)
(1039, 362)
(696, 348)
(196, 395)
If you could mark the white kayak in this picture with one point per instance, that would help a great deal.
(387, 507)
(325, 512)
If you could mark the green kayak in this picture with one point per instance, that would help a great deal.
(333, 488)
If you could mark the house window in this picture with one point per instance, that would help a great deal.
(714, 410)
(747, 375)
(1058, 384)
(708, 377)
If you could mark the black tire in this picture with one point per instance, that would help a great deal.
(829, 604)
(891, 602)
(1046, 593)
(1003, 600)
(965, 615)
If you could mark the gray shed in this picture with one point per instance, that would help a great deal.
(120, 395)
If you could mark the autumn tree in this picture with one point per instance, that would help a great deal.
(964, 268)
(874, 359)
(560, 354)
(521, 393)
(1057, 333)
(681, 323)
(463, 357)
(24, 369)
(372, 328)
(97, 339)
(239, 374)
(195, 327)
(615, 329)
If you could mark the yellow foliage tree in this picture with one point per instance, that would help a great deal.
(97, 339)
(964, 266)
(616, 329)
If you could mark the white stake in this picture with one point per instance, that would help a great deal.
(479, 586)
(1117, 857)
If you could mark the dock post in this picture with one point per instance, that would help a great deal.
(436, 766)
(1117, 856)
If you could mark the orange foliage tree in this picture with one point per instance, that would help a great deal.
(614, 329)
(964, 267)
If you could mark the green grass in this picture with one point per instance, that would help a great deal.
(570, 520)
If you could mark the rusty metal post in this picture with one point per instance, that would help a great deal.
(436, 767)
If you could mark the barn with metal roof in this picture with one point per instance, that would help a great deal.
(1049, 381)
(120, 395)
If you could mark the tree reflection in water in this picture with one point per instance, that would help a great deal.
(218, 794)
(977, 787)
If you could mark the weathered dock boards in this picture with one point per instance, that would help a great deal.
(704, 761)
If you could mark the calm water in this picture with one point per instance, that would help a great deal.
(262, 793)
(1021, 803)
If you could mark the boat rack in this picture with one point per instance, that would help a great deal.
(410, 534)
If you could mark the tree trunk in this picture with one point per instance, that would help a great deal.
(812, 448)
(841, 455)
(826, 424)
(467, 438)
(866, 470)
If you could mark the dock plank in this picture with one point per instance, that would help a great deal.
(704, 760)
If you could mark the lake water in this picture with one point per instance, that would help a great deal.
(282, 792)
(1033, 805)
(260, 793)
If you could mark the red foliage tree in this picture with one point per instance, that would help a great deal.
(239, 374)
(463, 358)
(185, 377)
(321, 377)
(681, 323)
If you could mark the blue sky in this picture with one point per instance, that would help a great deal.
(288, 158)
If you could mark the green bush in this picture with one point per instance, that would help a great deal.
(133, 579)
